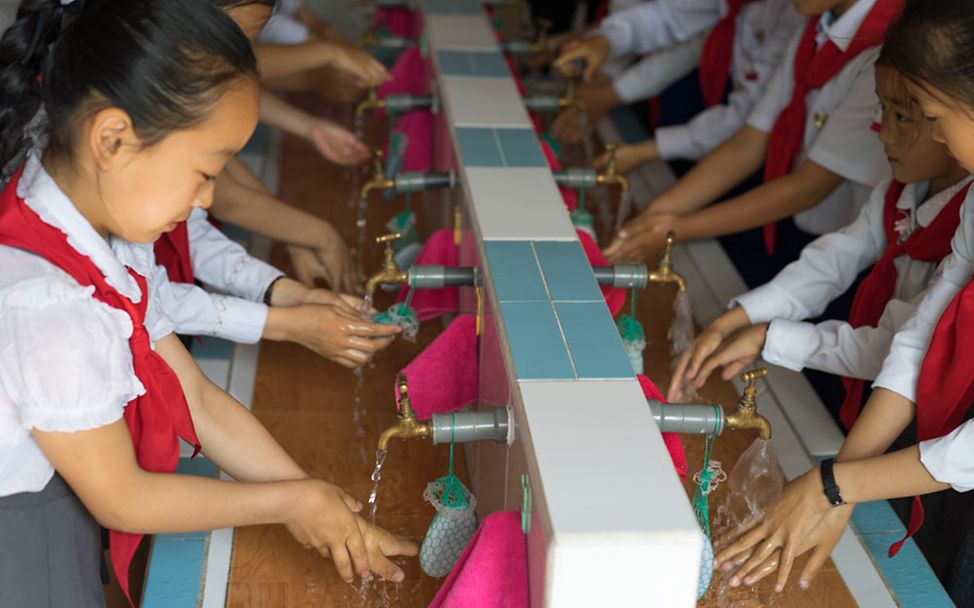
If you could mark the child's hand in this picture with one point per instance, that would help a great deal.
(642, 238)
(380, 546)
(800, 521)
(593, 50)
(708, 341)
(336, 143)
(344, 301)
(325, 519)
(337, 260)
(366, 68)
(337, 334)
(740, 351)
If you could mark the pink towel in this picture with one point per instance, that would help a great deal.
(493, 571)
(567, 194)
(398, 21)
(615, 297)
(672, 440)
(443, 378)
(409, 75)
(440, 249)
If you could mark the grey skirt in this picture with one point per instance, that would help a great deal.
(50, 547)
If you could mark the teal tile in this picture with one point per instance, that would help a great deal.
(175, 573)
(908, 574)
(452, 63)
(490, 65)
(877, 516)
(452, 7)
(593, 340)
(514, 271)
(207, 347)
(478, 147)
(520, 148)
(567, 272)
(535, 340)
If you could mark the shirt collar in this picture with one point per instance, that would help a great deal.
(51, 204)
(841, 31)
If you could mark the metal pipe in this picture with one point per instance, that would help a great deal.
(518, 47)
(438, 277)
(626, 276)
(688, 418)
(404, 103)
(418, 182)
(541, 103)
(578, 179)
(395, 43)
(464, 427)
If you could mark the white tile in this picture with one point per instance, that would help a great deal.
(460, 33)
(599, 452)
(483, 102)
(517, 204)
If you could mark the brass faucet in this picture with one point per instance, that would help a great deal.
(371, 102)
(664, 273)
(570, 99)
(368, 40)
(379, 180)
(390, 274)
(609, 177)
(408, 426)
(540, 46)
(746, 415)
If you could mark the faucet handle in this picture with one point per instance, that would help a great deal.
(388, 238)
(750, 378)
(402, 386)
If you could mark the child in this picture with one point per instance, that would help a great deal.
(928, 363)
(807, 131)
(94, 388)
(745, 44)
(907, 224)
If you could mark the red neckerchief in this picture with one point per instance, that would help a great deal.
(718, 51)
(927, 244)
(945, 389)
(813, 68)
(157, 419)
(172, 252)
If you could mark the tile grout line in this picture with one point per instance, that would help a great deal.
(500, 148)
(554, 310)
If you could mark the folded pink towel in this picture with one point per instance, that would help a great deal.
(440, 249)
(493, 571)
(672, 440)
(398, 21)
(567, 194)
(409, 75)
(615, 297)
(417, 126)
(443, 378)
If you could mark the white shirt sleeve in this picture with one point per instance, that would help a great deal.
(948, 458)
(652, 26)
(284, 29)
(65, 360)
(901, 368)
(225, 265)
(835, 346)
(654, 73)
(697, 138)
(827, 267)
(196, 312)
(778, 92)
(846, 146)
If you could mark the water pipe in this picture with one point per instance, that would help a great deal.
(626, 276)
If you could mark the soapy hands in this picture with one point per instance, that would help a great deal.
(642, 238)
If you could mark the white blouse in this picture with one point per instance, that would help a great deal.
(839, 114)
(65, 362)
(826, 268)
(236, 313)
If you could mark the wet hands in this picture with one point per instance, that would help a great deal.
(800, 521)
(599, 98)
(337, 144)
(593, 50)
(338, 333)
(325, 518)
(642, 238)
(366, 69)
(715, 347)
(330, 262)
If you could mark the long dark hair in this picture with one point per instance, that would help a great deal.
(164, 62)
(932, 46)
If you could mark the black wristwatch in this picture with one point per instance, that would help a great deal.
(828, 483)
(269, 292)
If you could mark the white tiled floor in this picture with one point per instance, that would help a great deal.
(483, 102)
(518, 204)
(460, 33)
